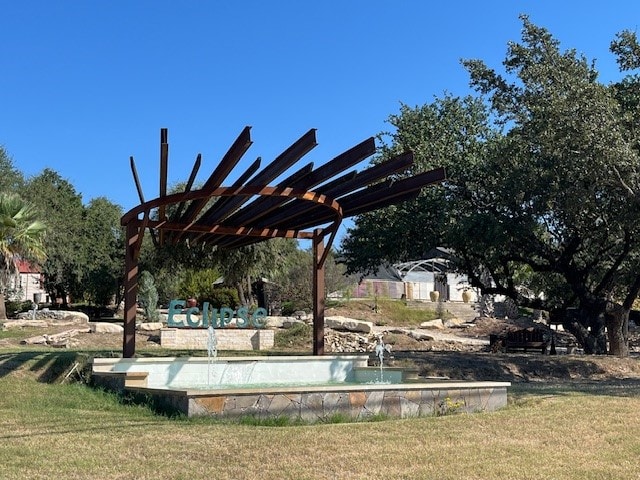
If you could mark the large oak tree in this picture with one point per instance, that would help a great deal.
(542, 189)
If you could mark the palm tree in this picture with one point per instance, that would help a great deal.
(21, 236)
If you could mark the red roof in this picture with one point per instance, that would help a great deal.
(25, 267)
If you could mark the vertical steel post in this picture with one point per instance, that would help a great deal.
(318, 292)
(130, 291)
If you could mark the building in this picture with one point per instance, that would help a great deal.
(416, 280)
(29, 283)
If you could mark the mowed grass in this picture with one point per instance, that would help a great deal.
(70, 431)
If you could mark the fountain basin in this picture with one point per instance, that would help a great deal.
(312, 388)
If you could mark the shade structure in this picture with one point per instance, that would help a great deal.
(308, 203)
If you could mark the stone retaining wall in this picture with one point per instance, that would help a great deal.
(228, 339)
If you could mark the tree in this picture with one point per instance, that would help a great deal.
(11, 180)
(241, 265)
(547, 197)
(103, 241)
(58, 202)
(148, 296)
(21, 236)
(450, 132)
(295, 280)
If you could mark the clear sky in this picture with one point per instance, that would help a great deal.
(86, 84)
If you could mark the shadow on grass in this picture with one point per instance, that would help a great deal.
(534, 373)
(623, 387)
(68, 428)
(45, 367)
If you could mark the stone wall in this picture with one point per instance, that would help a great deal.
(317, 404)
(228, 339)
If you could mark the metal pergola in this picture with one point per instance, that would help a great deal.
(310, 203)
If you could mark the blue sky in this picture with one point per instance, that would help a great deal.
(86, 84)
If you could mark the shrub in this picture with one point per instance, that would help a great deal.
(223, 297)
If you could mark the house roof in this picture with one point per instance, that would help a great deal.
(24, 266)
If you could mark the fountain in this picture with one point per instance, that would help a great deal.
(212, 350)
(311, 388)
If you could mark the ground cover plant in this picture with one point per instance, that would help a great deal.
(54, 428)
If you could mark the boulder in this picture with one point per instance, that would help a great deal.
(274, 322)
(105, 327)
(348, 324)
(149, 326)
(420, 336)
(7, 324)
(37, 340)
(76, 317)
(433, 324)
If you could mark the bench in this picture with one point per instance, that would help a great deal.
(525, 339)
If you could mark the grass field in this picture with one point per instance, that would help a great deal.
(52, 428)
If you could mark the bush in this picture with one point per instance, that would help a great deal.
(223, 297)
(16, 306)
(289, 308)
(198, 283)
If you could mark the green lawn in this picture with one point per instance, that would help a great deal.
(69, 431)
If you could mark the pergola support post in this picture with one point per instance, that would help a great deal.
(130, 291)
(318, 292)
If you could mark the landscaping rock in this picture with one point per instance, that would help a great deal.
(37, 340)
(274, 322)
(454, 323)
(7, 324)
(76, 317)
(149, 326)
(435, 324)
(348, 324)
(104, 327)
(421, 336)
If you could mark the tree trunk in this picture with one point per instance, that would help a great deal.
(587, 325)
(241, 294)
(3, 310)
(617, 321)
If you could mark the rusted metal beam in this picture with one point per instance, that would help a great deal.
(318, 293)
(190, 182)
(263, 207)
(341, 187)
(130, 291)
(373, 198)
(285, 160)
(136, 180)
(164, 164)
(230, 160)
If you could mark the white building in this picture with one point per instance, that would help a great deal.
(417, 280)
(29, 283)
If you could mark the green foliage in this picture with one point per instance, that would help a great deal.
(448, 406)
(295, 280)
(148, 296)
(298, 336)
(58, 202)
(16, 306)
(223, 297)
(11, 180)
(543, 188)
(21, 237)
(198, 283)
(263, 259)
(103, 240)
